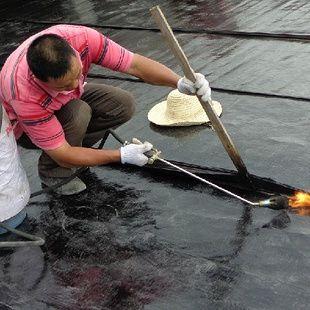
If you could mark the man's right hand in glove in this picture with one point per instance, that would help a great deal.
(134, 153)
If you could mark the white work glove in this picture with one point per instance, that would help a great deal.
(200, 87)
(134, 153)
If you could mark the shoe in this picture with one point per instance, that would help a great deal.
(74, 186)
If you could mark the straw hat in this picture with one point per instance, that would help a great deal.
(181, 110)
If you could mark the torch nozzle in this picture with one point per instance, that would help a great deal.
(275, 203)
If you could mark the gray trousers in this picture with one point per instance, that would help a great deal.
(85, 122)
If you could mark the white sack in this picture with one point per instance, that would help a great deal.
(14, 186)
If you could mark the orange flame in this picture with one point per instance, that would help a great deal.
(301, 203)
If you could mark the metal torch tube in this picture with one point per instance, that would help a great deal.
(117, 137)
(209, 183)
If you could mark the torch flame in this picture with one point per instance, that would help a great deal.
(301, 203)
(300, 199)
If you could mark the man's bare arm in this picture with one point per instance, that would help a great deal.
(152, 72)
(73, 156)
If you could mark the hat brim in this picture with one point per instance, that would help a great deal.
(158, 116)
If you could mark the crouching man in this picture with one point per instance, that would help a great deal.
(42, 85)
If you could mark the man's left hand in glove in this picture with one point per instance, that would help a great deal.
(200, 87)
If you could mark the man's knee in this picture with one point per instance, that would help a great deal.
(75, 116)
(128, 106)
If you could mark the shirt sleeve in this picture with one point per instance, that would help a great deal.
(42, 127)
(107, 53)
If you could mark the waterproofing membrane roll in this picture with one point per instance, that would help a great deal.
(229, 179)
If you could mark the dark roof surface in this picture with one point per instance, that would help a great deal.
(133, 241)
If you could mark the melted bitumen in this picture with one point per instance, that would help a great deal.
(137, 239)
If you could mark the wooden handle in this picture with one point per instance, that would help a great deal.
(172, 42)
(207, 106)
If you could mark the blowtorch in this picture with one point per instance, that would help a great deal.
(274, 202)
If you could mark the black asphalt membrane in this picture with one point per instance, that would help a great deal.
(148, 239)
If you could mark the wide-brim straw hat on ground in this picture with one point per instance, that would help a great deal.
(181, 110)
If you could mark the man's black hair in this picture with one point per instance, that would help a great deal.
(49, 56)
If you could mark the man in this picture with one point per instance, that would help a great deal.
(14, 187)
(42, 85)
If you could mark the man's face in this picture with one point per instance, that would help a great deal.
(69, 81)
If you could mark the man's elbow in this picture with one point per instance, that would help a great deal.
(65, 164)
(62, 156)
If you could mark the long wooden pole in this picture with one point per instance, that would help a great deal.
(207, 106)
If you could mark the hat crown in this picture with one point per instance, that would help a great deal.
(181, 106)
(181, 110)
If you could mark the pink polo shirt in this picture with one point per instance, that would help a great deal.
(30, 105)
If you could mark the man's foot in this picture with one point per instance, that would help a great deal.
(75, 186)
